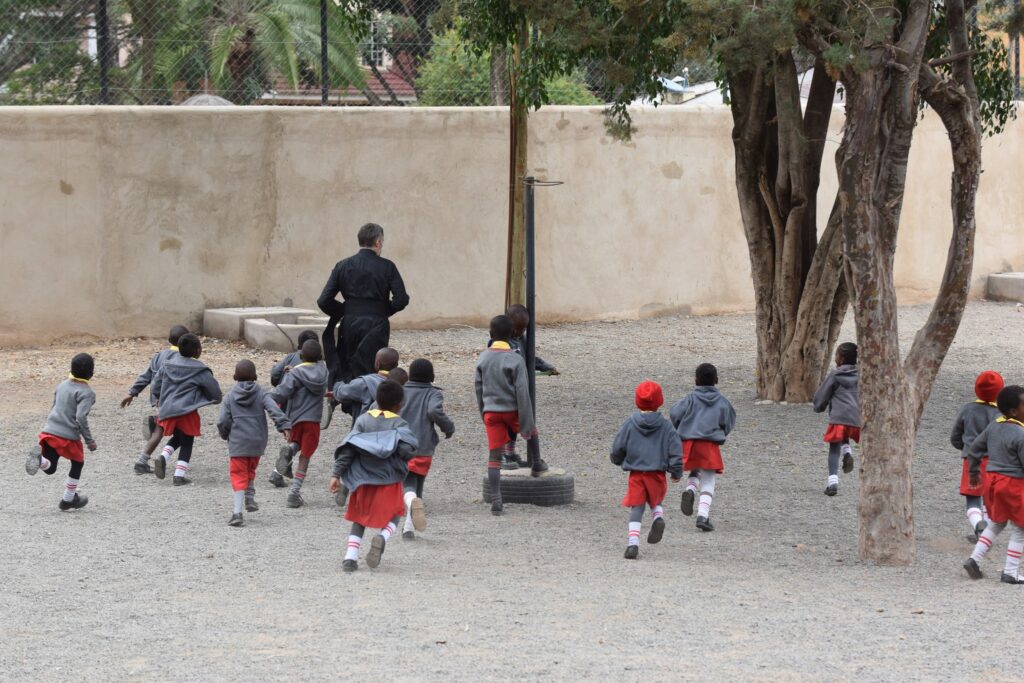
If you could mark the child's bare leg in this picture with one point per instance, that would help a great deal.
(295, 495)
(142, 462)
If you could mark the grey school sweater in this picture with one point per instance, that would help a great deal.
(69, 415)
(1003, 441)
(971, 421)
(277, 372)
(841, 395)
(243, 419)
(376, 452)
(647, 443)
(704, 415)
(423, 409)
(148, 377)
(502, 385)
(184, 385)
(360, 393)
(302, 392)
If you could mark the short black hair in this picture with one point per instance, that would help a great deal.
(501, 328)
(398, 375)
(517, 310)
(848, 352)
(82, 366)
(245, 371)
(189, 345)
(306, 335)
(421, 370)
(311, 351)
(706, 375)
(176, 333)
(390, 395)
(369, 234)
(1009, 399)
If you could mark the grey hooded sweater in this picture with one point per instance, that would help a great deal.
(69, 416)
(423, 409)
(970, 422)
(184, 385)
(301, 392)
(502, 386)
(148, 377)
(703, 415)
(1004, 444)
(359, 394)
(376, 452)
(841, 395)
(277, 372)
(647, 443)
(243, 420)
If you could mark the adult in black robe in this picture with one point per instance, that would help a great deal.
(373, 291)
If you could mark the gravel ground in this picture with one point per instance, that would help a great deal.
(149, 582)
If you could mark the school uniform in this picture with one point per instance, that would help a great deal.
(647, 447)
(278, 372)
(703, 418)
(971, 421)
(148, 376)
(423, 409)
(301, 392)
(357, 396)
(184, 385)
(503, 394)
(840, 394)
(66, 427)
(243, 424)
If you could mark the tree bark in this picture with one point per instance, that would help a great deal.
(515, 274)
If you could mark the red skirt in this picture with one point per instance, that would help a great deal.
(307, 435)
(188, 424)
(421, 464)
(702, 455)
(645, 488)
(66, 448)
(1004, 498)
(840, 433)
(965, 479)
(375, 506)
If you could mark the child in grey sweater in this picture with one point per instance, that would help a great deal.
(283, 366)
(839, 393)
(65, 429)
(356, 396)
(243, 424)
(970, 422)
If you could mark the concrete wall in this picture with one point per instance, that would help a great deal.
(121, 221)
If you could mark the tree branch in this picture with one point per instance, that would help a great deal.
(955, 58)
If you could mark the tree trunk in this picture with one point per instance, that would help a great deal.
(515, 274)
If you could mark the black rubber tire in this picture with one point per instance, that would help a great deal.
(543, 491)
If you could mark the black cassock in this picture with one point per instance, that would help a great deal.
(373, 291)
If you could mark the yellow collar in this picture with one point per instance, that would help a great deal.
(174, 348)
(503, 346)
(987, 403)
(386, 413)
(305, 362)
(77, 379)
(385, 373)
(1003, 418)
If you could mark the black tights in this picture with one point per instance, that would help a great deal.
(414, 482)
(50, 453)
(183, 444)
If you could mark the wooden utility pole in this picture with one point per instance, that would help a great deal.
(515, 268)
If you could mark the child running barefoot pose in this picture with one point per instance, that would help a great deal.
(65, 428)
(372, 461)
(841, 395)
(243, 424)
(1003, 440)
(703, 418)
(647, 447)
(970, 422)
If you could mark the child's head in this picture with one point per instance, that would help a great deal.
(520, 317)
(501, 328)
(307, 335)
(421, 370)
(846, 354)
(399, 375)
(245, 371)
(311, 352)
(706, 375)
(1009, 401)
(189, 346)
(988, 385)
(82, 366)
(390, 395)
(386, 359)
(648, 396)
(176, 333)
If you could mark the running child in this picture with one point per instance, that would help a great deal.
(970, 422)
(703, 418)
(373, 461)
(243, 424)
(356, 396)
(647, 446)
(65, 429)
(840, 394)
(282, 366)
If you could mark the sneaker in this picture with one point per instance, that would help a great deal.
(182, 481)
(831, 490)
(79, 501)
(538, 468)
(284, 459)
(686, 505)
(1010, 578)
(160, 467)
(632, 552)
(34, 461)
(979, 528)
(236, 520)
(509, 462)
(847, 463)
(704, 524)
(295, 500)
(973, 570)
(341, 497)
(251, 505)
(277, 480)
(349, 566)
(657, 530)
(143, 468)
(496, 508)
(376, 551)
(408, 535)
(419, 516)
(288, 474)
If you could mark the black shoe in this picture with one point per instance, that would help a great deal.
(657, 530)
(236, 520)
(143, 468)
(496, 508)
(288, 474)
(847, 463)
(349, 566)
(704, 524)
(277, 480)
(686, 505)
(160, 467)
(284, 459)
(251, 505)
(632, 552)
(538, 468)
(376, 551)
(1006, 578)
(341, 497)
(831, 490)
(295, 500)
(979, 528)
(509, 462)
(408, 535)
(34, 461)
(79, 501)
(973, 570)
(182, 481)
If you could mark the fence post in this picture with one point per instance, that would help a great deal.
(324, 77)
(103, 49)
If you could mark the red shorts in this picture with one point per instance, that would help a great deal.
(66, 448)
(702, 455)
(188, 424)
(645, 488)
(841, 434)
(420, 464)
(965, 479)
(243, 471)
(307, 435)
(375, 506)
(498, 426)
(1004, 498)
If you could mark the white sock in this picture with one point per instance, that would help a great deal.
(70, 488)
(353, 547)
(974, 516)
(833, 480)
(1014, 550)
(181, 469)
(634, 533)
(693, 483)
(239, 499)
(410, 496)
(984, 543)
(658, 511)
(704, 506)
(707, 492)
(387, 531)
(845, 449)
(166, 453)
